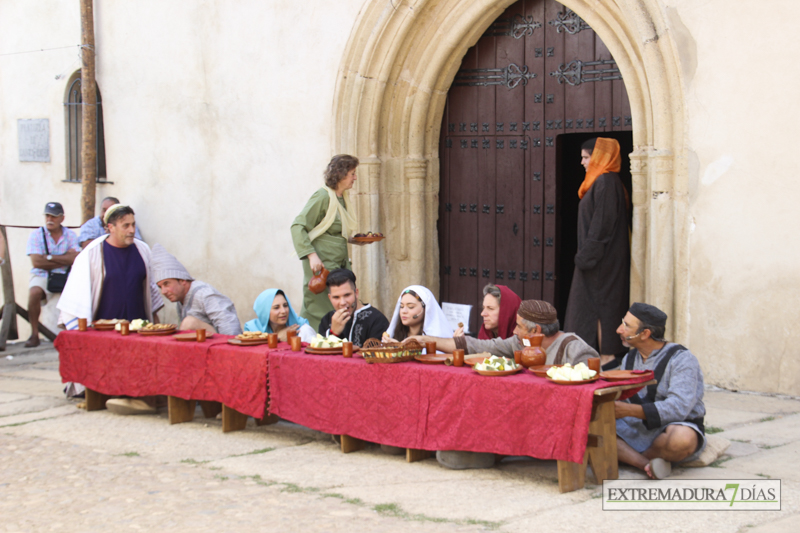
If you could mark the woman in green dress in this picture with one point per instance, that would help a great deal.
(322, 230)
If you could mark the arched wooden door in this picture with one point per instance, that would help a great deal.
(536, 84)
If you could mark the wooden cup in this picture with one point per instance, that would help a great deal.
(347, 349)
(458, 357)
(594, 364)
(296, 342)
(290, 334)
(83, 324)
(272, 340)
(201, 335)
(518, 357)
(124, 328)
(430, 347)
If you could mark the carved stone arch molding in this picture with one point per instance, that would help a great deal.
(399, 63)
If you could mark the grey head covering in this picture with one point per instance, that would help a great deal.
(164, 266)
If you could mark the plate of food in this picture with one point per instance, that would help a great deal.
(572, 375)
(497, 366)
(106, 324)
(330, 345)
(433, 359)
(134, 325)
(158, 329)
(368, 237)
(475, 358)
(541, 370)
(188, 337)
(250, 338)
(625, 375)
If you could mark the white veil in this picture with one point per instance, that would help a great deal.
(436, 323)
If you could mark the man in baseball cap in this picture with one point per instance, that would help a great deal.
(52, 249)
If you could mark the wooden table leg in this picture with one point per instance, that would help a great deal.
(232, 420)
(572, 476)
(412, 455)
(603, 457)
(210, 409)
(95, 401)
(352, 444)
(180, 410)
(267, 420)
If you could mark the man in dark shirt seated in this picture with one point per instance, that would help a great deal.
(349, 320)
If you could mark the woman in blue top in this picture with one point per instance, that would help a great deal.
(276, 315)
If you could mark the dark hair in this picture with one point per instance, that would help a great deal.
(589, 145)
(119, 213)
(340, 276)
(115, 200)
(656, 332)
(338, 168)
(401, 331)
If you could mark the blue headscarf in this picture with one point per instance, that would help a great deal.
(262, 307)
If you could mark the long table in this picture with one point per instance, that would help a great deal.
(436, 407)
(226, 378)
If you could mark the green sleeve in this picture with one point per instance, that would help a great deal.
(311, 215)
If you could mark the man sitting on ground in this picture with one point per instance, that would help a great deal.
(663, 423)
(349, 319)
(111, 279)
(200, 306)
(94, 227)
(52, 249)
(533, 316)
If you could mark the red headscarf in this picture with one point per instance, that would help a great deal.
(507, 321)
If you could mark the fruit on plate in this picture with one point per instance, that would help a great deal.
(567, 372)
(495, 363)
(367, 234)
(331, 341)
(135, 325)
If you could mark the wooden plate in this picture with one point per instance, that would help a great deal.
(472, 360)
(496, 373)
(541, 370)
(560, 382)
(251, 342)
(624, 375)
(104, 327)
(188, 337)
(325, 351)
(368, 239)
(156, 332)
(433, 359)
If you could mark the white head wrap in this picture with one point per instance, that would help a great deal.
(163, 265)
(436, 323)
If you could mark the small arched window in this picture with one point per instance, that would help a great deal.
(73, 112)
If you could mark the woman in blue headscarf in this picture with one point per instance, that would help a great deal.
(276, 315)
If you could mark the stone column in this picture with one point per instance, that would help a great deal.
(416, 172)
(639, 226)
(366, 259)
(660, 237)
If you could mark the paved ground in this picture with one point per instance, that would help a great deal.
(62, 468)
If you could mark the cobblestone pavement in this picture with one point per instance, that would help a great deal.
(62, 468)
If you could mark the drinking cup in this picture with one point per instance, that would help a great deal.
(83, 324)
(347, 349)
(518, 357)
(124, 328)
(458, 357)
(201, 335)
(430, 347)
(290, 334)
(594, 364)
(296, 342)
(272, 340)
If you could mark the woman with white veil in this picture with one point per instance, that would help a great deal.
(417, 313)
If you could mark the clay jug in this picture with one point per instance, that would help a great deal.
(532, 353)
(317, 283)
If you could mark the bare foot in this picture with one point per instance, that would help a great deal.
(32, 342)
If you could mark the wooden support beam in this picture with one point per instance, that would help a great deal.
(412, 455)
(210, 409)
(268, 420)
(21, 311)
(95, 401)
(603, 456)
(89, 112)
(352, 444)
(180, 410)
(572, 476)
(9, 322)
(232, 420)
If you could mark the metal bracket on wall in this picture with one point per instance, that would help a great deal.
(569, 21)
(510, 76)
(516, 27)
(574, 73)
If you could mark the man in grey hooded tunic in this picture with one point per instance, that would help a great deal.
(662, 423)
(200, 306)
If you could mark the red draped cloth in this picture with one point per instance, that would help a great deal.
(136, 366)
(433, 407)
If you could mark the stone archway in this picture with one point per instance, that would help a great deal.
(393, 82)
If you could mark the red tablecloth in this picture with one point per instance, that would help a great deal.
(142, 366)
(433, 407)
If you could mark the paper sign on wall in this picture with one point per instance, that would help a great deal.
(34, 139)
(456, 313)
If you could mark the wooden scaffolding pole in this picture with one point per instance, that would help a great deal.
(89, 107)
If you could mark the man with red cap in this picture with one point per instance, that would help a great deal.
(662, 423)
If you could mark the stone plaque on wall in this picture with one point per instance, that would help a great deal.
(34, 139)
